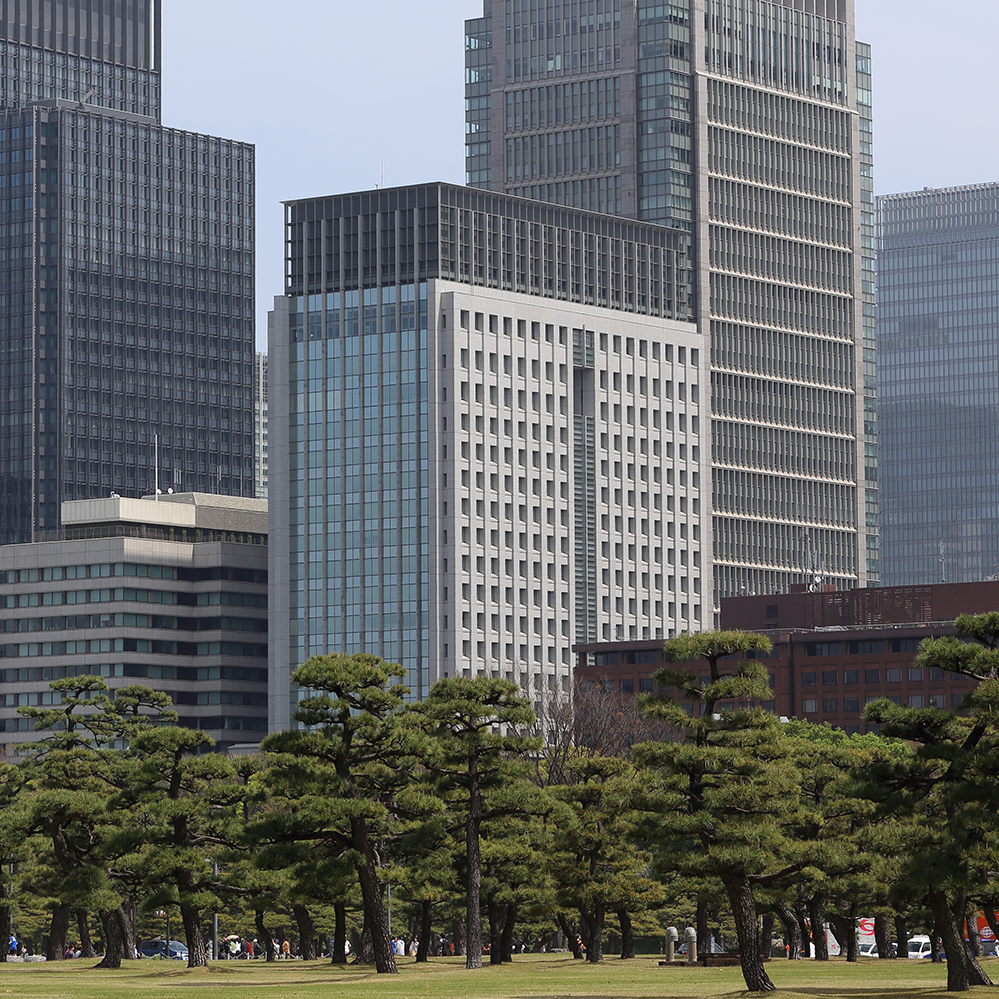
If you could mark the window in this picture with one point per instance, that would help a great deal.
(823, 648)
(627, 686)
(809, 706)
(915, 700)
(645, 685)
(851, 676)
(830, 705)
(808, 678)
(771, 610)
(872, 676)
(851, 705)
(936, 673)
(829, 677)
(915, 673)
(894, 675)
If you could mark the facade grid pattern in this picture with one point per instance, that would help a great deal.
(745, 128)
(938, 308)
(128, 255)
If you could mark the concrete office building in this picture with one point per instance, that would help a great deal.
(834, 651)
(745, 127)
(126, 259)
(938, 313)
(171, 594)
(489, 412)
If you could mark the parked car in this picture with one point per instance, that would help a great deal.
(868, 950)
(920, 947)
(158, 948)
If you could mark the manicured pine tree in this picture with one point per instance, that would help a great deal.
(478, 771)
(726, 795)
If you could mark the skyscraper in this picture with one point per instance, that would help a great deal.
(745, 126)
(491, 447)
(938, 382)
(127, 271)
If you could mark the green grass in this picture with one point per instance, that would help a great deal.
(554, 975)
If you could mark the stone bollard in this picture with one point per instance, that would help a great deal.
(690, 935)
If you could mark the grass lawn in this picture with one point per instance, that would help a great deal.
(554, 975)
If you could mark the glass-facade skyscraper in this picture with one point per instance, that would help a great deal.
(938, 316)
(746, 127)
(127, 270)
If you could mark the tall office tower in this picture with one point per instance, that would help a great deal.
(491, 439)
(938, 313)
(126, 260)
(260, 426)
(744, 126)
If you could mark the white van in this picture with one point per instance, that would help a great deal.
(919, 946)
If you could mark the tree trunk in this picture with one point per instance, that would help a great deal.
(595, 944)
(936, 945)
(815, 915)
(801, 911)
(767, 935)
(457, 938)
(627, 934)
(83, 928)
(264, 937)
(990, 918)
(901, 935)
(423, 950)
(371, 895)
(506, 940)
(197, 954)
(495, 913)
(963, 970)
(125, 916)
(792, 931)
(882, 938)
(114, 941)
(974, 938)
(740, 896)
(473, 885)
(339, 955)
(701, 922)
(306, 932)
(846, 934)
(4, 921)
(571, 936)
(365, 953)
(56, 948)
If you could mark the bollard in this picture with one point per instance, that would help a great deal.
(690, 935)
(672, 935)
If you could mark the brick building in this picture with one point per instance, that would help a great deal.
(834, 651)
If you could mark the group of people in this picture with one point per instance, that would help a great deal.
(399, 947)
(235, 948)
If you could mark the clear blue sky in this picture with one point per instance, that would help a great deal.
(331, 89)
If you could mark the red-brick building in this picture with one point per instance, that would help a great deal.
(834, 651)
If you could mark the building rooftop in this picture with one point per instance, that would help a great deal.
(199, 511)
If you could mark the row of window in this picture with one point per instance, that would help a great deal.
(93, 646)
(81, 621)
(71, 597)
(852, 705)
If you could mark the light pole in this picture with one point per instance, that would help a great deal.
(215, 916)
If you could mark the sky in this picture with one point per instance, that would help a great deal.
(339, 95)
